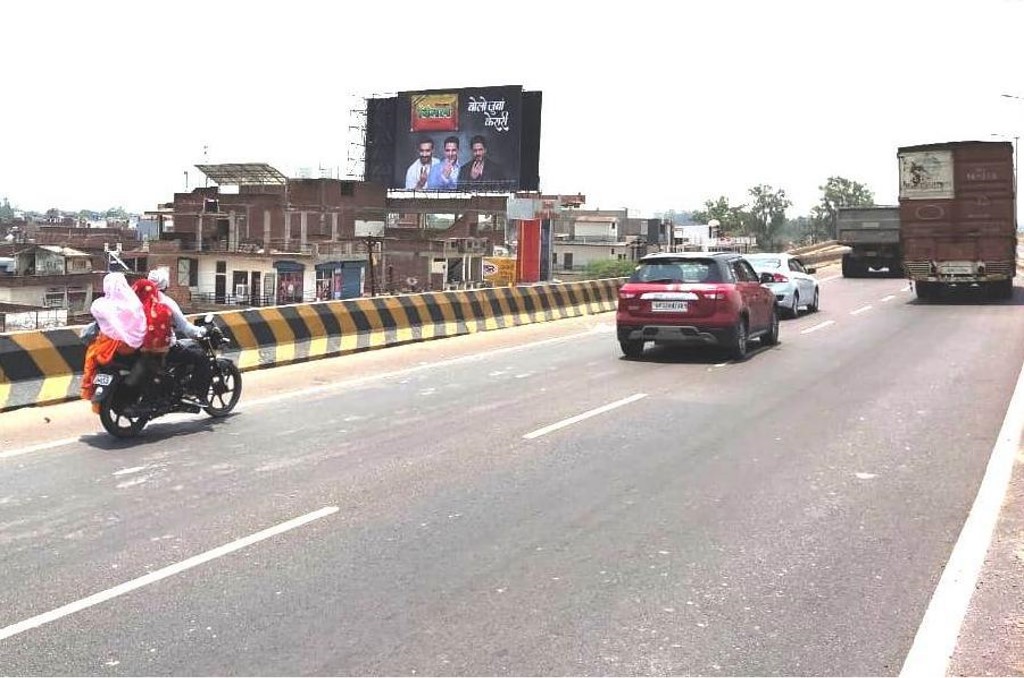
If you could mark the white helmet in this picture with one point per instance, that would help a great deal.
(161, 276)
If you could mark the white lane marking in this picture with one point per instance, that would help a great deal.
(936, 638)
(862, 309)
(133, 469)
(819, 326)
(905, 289)
(359, 381)
(831, 277)
(121, 589)
(721, 364)
(586, 415)
(38, 448)
(889, 298)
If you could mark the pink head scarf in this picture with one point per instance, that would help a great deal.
(119, 312)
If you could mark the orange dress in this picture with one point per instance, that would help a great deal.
(100, 352)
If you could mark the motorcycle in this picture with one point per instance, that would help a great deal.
(128, 399)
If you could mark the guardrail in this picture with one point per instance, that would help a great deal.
(44, 367)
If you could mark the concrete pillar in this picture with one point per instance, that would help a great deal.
(287, 229)
(266, 230)
(232, 232)
(334, 225)
(303, 229)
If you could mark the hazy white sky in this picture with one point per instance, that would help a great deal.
(650, 106)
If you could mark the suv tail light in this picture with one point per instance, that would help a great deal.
(778, 277)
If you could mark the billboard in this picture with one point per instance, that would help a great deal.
(471, 139)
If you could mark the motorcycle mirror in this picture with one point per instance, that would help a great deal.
(208, 318)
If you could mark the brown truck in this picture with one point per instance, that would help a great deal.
(957, 216)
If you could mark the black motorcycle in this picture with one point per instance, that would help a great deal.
(130, 394)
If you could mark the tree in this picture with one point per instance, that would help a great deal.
(116, 213)
(6, 211)
(732, 219)
(767, 214)
(837, 192)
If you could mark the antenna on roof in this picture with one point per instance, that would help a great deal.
(112, 258)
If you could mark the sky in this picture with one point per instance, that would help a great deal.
(650, 106)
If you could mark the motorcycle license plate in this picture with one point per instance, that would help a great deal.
(669, 306)
(103, 379)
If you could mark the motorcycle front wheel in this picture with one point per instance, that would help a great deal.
(117, 423)
(225, 389)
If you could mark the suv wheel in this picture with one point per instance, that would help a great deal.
(632, 348)
(738, 350)
(771, 337)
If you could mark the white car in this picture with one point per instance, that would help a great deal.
(794, 286)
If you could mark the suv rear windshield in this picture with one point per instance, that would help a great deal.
(677, 271)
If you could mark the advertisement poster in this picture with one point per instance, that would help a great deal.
(458, 140)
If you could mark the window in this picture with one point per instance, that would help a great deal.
(744, 271)
(678, 271)
(188, 272)
(222, 267)
(794, 265)
(567, 261)
(54, 298)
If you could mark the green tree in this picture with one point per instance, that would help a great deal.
(837, 192)
(732, 219)
(6, 211)
(767, 215)
(609, 268)
(116, 213)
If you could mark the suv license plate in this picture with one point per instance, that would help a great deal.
(670, 306)
(102, 379)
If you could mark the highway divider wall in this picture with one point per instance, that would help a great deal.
(44, 367)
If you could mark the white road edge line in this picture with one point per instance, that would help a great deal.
(936, 638)
(819, 326)
(862, 309)
(335, 386)
(38, 448)
(586, 415)
(889, 298)
(163, 573)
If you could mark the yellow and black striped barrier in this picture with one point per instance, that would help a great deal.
(39, 368)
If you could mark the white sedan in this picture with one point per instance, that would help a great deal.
(793, 285)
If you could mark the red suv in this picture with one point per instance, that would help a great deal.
(695, 298)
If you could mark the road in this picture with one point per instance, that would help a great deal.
(523, 503)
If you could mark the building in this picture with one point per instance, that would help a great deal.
(50, 276)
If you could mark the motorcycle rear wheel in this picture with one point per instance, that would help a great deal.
(118, 424)
(225, 389)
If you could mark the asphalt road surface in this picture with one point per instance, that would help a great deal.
(521, 503)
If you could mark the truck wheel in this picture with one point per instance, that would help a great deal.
(1001, 289)
(848, 267)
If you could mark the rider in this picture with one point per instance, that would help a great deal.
(194, 355)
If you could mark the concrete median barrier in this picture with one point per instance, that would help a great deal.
(44, 367)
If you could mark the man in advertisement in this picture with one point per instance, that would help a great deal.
(481, 169)
(444, 176)
(418, 174)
